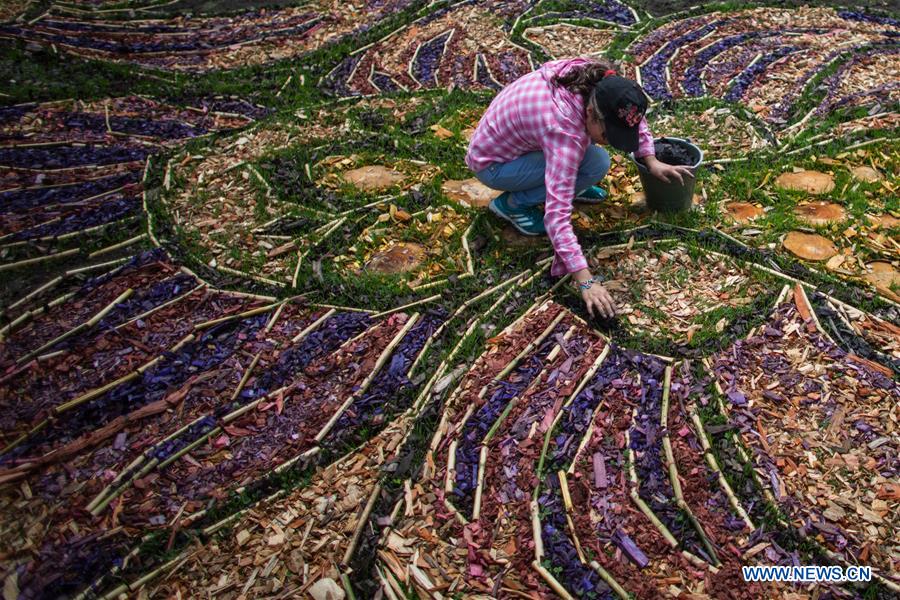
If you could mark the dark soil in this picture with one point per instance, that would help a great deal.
(673, 154)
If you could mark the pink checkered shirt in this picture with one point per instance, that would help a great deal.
(532, 114)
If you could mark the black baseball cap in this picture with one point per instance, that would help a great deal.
(623, 104)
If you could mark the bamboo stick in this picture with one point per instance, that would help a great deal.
(455, 511)
(635, 497)
(551, 581)
(40, 259)
(251, 276)
(80, 327)
(470, 268)
(365, 384)
(118, 246)
(245, 377)
(610, 580)
(343, 308)
(357, 532)
(531, 346)
(36, 292)
(155, 309)
(482, 459)
(406, 306)
(242, 315)
(124, 379)
(450, 477)
(714, 465)
(669, 457)
(252, 405)
(536, 531)
(296, 275)
(87, 268)
(456, 313)
(313, 326)
(26, 316)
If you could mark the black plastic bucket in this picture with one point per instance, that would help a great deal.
(670, 197)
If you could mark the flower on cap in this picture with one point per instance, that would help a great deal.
(631, 115)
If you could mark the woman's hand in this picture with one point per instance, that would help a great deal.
(596, 298)
(666, 172)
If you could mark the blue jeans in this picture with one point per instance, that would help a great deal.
(524, 176)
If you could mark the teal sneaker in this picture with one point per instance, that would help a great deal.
(528, 220)
(593, 195)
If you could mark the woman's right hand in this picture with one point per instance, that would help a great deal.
(597, 298)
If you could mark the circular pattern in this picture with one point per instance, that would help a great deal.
(811, 182)
(820, 213)
(743, 212)
(809, 246)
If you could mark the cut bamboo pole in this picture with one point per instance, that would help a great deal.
(635, 497)
(155, 309)
(92, 322)
(536, 531)
(251, 276)
(456, 313)
(482, 460)
(245, 377)
(551, 581)
(450, 476)
(548, 434)
(610, 580)
(296, 275)
(531, 346)
(39, 259)
(365, 384)
(406, 306)
(274, 318)
(363, 520)
(241, 315)
(672, 466)
(343, 308)
(124, 379)
(34, 293)
(313, 326)
(470, 268)
(119, 246)
(103, 265)
(714, 465)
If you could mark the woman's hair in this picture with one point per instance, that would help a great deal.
(583, 78)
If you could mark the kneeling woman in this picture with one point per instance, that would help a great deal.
(535, 143)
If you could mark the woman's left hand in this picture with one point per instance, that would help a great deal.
(666, 172)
